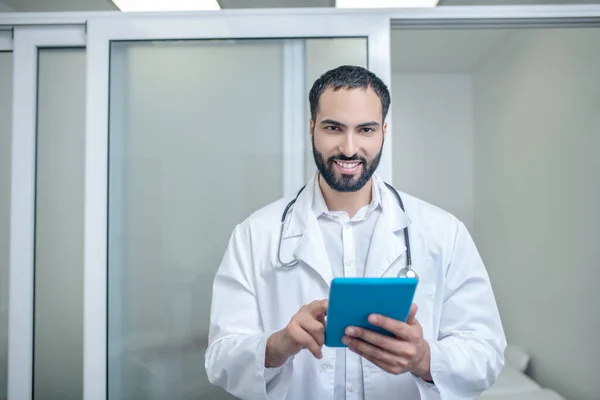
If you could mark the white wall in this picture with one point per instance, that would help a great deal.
(5, 160)
(537, 197)
(433, 139)
(5, 7)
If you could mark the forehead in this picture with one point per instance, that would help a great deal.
(349, 104)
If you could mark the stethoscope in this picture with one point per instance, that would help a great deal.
(406, 272)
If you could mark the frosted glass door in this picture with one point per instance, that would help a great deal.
(58, 312)
(195, 146)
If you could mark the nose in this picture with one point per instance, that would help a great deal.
(348, 145)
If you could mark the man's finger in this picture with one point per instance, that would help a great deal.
(307, 341)
(400, 329)
(368, 350)
(392, 369)
(411, 315)
(318, 308)
(376, 339)
(315, 328)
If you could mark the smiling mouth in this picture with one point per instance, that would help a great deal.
(348, 166)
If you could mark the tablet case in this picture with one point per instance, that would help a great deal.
(352, 300)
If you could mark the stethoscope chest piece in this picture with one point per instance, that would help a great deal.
(408, 273)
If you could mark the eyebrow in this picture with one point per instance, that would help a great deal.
(332, 122)
(371, 124)
(336, 123)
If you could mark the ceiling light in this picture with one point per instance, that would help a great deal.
(385, 3)
(166, 5)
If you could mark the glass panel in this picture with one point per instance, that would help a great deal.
(195, 147)
(58, 336)
(501, 128)
(5, 160)
(321, 56)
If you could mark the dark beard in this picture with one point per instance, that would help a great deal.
(346, 183)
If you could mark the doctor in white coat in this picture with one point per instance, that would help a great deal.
(267, 321)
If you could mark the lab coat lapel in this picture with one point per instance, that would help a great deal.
(311, 250)
(387, 243)
(302, 236)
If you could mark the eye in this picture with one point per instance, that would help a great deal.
(332, 128)
(367, 130)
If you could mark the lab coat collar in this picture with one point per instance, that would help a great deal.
(302, 236)
(301, 211)
(303, 208)
(387, 243)
(392, 213)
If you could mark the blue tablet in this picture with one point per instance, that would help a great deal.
(352, 300)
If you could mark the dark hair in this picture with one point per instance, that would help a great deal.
(348, 77)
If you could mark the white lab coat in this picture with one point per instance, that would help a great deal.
(253, 297)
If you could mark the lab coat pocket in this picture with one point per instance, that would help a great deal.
(425, 301)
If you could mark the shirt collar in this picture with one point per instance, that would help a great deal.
(320, 207)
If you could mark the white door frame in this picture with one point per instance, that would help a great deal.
(6, 41)
(27, 41)
(5, 47)
(492, 15)
(221, 25)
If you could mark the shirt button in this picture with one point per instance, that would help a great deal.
(349, 263)
(352, 388)
(324, 368)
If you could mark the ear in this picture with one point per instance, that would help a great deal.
(311, 128)
(384, 129)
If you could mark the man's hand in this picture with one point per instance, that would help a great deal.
(306, 330)
(407, 351)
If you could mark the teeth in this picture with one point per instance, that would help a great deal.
(347, 165)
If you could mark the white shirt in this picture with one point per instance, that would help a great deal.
(347, 241)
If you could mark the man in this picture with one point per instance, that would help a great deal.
(270, 292)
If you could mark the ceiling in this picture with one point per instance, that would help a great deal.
(107, 5)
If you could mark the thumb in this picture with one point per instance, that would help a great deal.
(411, 316)
(324, 305)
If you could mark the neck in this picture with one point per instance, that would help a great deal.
(350, 202)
